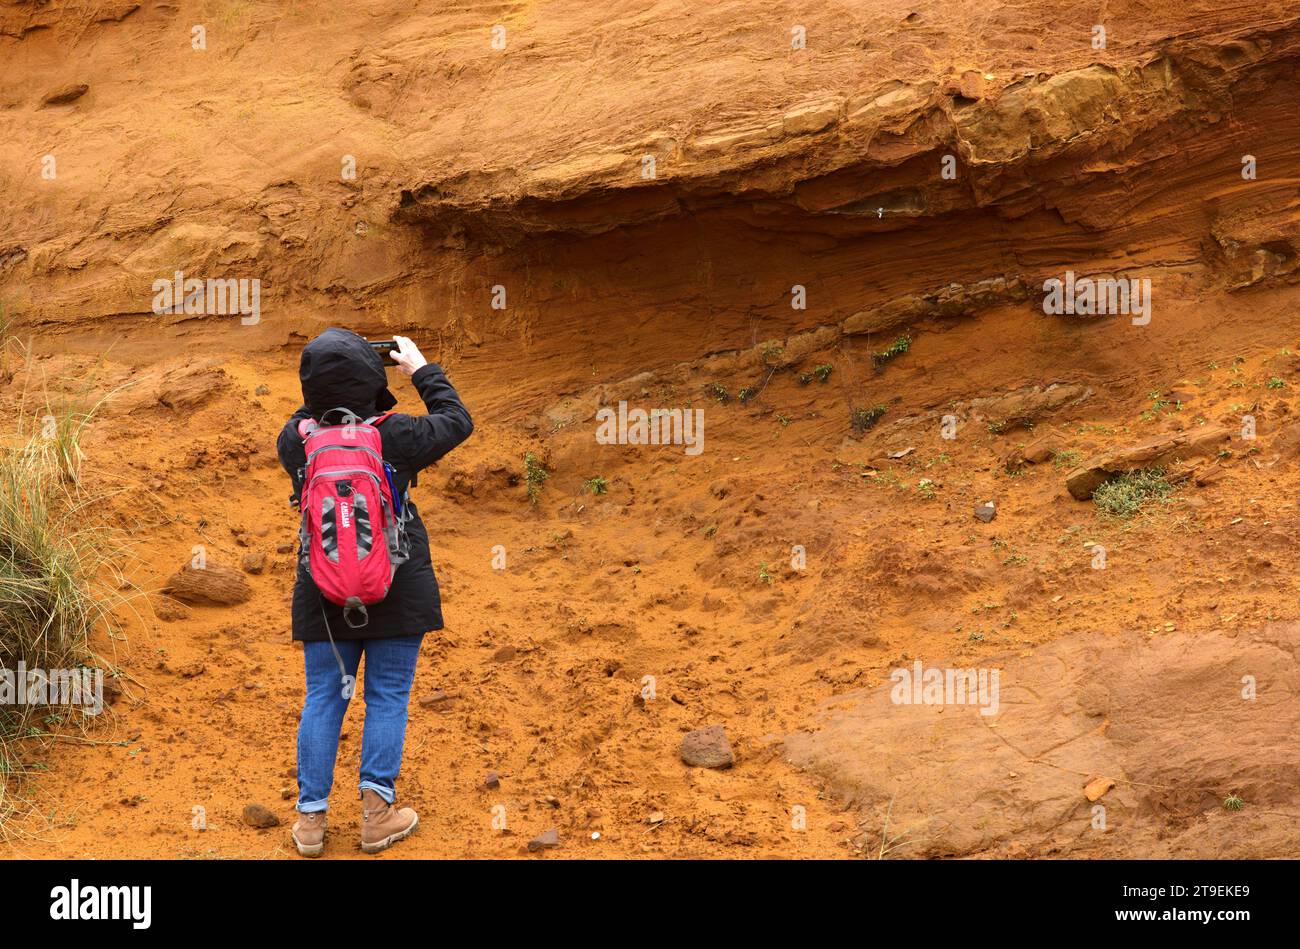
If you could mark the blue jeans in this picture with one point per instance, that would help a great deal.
(390, 670)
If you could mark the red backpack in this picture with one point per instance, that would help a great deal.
(353, 534)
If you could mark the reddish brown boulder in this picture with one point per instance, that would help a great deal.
(707, 748)
(213, 583)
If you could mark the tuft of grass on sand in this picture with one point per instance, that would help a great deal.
(1129, 493)
(58, 578)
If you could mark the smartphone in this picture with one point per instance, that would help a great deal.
(383, 346)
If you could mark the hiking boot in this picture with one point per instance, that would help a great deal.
(383, 824)
(309, 834)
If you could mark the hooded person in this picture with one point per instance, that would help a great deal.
(340, 370)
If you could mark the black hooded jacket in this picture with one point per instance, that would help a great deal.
(340, 370)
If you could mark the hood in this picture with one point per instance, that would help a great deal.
(340, 370)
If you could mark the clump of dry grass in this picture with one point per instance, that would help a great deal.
(58, 573)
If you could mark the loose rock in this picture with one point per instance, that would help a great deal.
(65, 94)
(168, 609)
(707, 748)
(215, 583)
(255, 815)
(1098, 786)
(546, 840)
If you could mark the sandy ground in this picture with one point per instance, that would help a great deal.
(542, 662)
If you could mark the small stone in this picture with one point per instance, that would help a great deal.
(1098, 786)
(255, 815)
(547, 840)
(263, 389)
(168, 609)
(707, 748)
(492, 781)
(254, 562)
(504, 654)
(284, 548)
(286, 794)
(657, 817)
(65, 94)
(986, 512)
(436, 697)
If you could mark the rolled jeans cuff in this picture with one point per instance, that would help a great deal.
(388, 794)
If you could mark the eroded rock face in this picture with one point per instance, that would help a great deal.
(1164, 717)
(1159, 450)
(674, 170)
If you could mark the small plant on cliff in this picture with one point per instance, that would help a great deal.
(764, 575)
(1159, 403)
(820, 372)
(719, 392)
(896, 349)
(772, 355)
(1066, 458)
(746, 394)
(1233, 803)
(596, 485)
(1126, 494)
(535, 474)
(862, 419)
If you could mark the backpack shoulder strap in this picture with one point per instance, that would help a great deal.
(305, 427)
(344, 413)
(378, 419)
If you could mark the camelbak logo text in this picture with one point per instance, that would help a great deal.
(343, 513)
